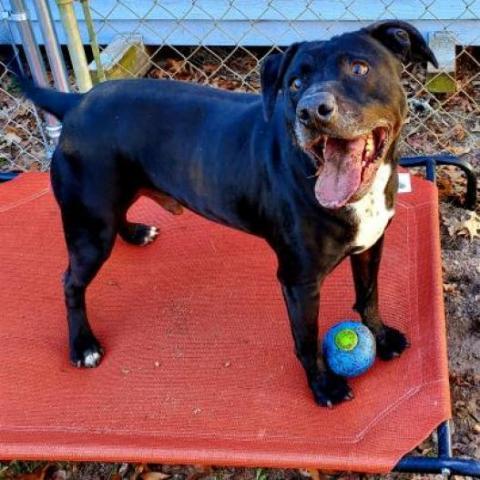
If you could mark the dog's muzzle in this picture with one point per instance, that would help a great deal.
(346, 155)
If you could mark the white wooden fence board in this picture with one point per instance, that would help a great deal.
(261, 22)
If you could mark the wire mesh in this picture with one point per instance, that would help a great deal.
(222, 44)
(23, 142)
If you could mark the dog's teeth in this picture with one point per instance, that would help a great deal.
(369, 145)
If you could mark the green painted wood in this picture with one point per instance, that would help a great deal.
(442, 79)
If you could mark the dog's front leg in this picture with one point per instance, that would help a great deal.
(303, 304)
(390, 342)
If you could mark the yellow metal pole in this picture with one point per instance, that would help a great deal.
(93, 40)
(75, 45)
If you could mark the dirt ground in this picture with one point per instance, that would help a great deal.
(426, 131)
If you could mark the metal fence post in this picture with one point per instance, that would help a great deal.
(87, 14)
(34, 59)
(75, 45)
(54, 54)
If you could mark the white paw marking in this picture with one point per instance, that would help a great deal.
(371, 211)
(151, 235)
(91, 359)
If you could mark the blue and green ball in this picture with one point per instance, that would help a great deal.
(349, 348)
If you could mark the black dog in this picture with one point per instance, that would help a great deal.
(312, 171)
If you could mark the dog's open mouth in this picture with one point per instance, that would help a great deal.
(346, 167)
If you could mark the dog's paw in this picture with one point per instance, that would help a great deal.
(139, 234)
(150, 235)
(330, 389)
(391, 343)
(87, 354)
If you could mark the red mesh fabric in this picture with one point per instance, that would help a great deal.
(199, 364)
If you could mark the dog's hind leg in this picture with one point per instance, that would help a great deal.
(89, 241)
(365, 265)
(141, 234)
(90, 223)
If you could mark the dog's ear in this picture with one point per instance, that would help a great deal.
(271, 77)
(403, 40)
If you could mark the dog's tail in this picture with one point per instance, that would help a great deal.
(52, 101)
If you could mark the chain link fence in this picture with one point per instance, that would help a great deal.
(23, 141)
(222, 43)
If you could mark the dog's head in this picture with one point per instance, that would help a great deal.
(344, 102)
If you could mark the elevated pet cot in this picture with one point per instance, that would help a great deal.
(199, 364)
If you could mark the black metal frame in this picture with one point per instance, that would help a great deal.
(4, 176)
(431, 162)
(444, 463)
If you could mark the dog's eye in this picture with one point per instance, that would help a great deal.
(296, 84)
(359, 68)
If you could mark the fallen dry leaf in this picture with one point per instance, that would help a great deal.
(458, 132)
(175, 65)
(452, 224)
(469, 225)
(312, 473)
(449, 287)
(210, 68)
(154, 476)
(461, 150)
(10, 138)
(472, 225)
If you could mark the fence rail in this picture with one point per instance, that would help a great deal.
(222, 43)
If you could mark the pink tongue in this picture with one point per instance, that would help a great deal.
(341, 174)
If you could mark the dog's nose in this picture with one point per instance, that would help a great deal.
(319, 107)
(327, 106)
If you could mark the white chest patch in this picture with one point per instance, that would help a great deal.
(371, 213)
